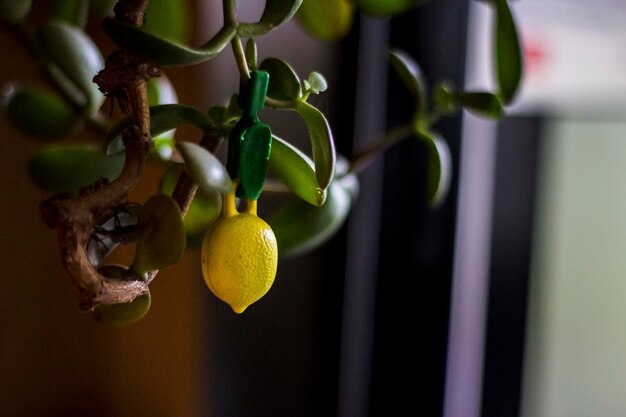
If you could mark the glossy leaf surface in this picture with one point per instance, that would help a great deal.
(508, 52)
(326, 19)
(321, 142)
(162, 51)
(68, 168)
(125, 313)
(169, 19)
(39, 112)
(296, 170)
(284, 83)
(276, 13)
(482, 103)
(411, 75)
(77, 56)
(165, 245)
(205, 169)
(302, 227)
(439, 168)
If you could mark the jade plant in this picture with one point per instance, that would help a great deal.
(89, 184)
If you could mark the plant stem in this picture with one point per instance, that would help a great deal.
(364, 158)
(240, 58)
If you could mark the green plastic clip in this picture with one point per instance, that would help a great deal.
(250, 140)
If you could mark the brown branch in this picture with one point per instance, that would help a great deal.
(74, 217)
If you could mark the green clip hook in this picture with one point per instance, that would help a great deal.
(250, 141)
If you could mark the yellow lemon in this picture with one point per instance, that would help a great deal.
(239, 256)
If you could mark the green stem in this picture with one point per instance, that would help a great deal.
(240, 58)
(230, 19)
(364, 158)
(280, 104)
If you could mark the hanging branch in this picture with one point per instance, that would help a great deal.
(74, 217)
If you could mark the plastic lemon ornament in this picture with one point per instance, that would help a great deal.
(239, 255)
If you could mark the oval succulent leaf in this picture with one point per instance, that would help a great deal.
(77, 56)
(284, 82)
(165, 245)
(124, 313)
(439, 168)
(508, 52)
(301, 227)
(386, 8)
(15, 11)
(162, 51)
(163, 118)
(169, 19)
(482, 103)
(205, 169)
(326, 19)
(296, 170)
(69, 168)
(276, 13)
(53, 115)
(321, 142)
(411, 75)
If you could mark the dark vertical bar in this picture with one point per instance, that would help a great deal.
(362, 245)
(514, 201)
(415, 264)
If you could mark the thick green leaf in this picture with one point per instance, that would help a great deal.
(15, 11)
(163, 118)
(276, 13)
(69, 168)
(386, 8)
(284, 82)
(321, 142)
(162, 51)
(169, 19)
(296, 170)
(165, 245)
(439, 168)
(39, 112)
(74, 12)
(411, 75)
(254, 158)
(77, 56)
(205, 169)
(161, 91)
(326, 19)
(444, 98)
(508, 52)
(124, 313)
(302, 227)
(483, 103)
(204, 209)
